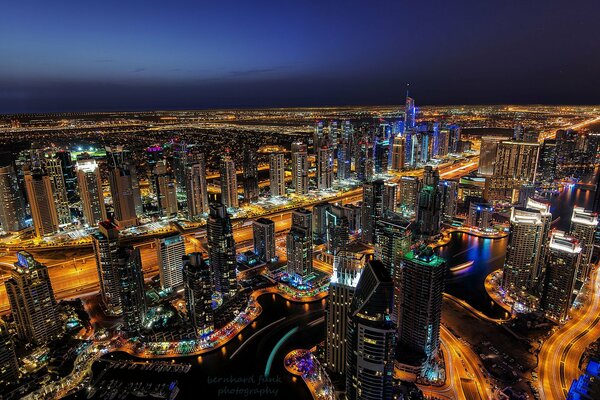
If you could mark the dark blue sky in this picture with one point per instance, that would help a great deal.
(128, 55)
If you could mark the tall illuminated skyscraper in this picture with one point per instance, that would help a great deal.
(398, 153)
(422, 293)
(9, 367)
(53, 169)
(68, 170)
(32, 302)
(131, 287)
(372, 208)
(250, 175)
(410, 113)
(324, 168)
(341, 289)
(319, 139)
(106, 245)
(522, 264)
(277, 174)
(480, 215)
(344, 151)
(410, 187)
(90, 191)
(487, 154)
(299, 168)
(196, 187)
(12, 203)
(392, 242)
(264, 239)
(449, 193)
(198, 290)
(41, 201)
(166, 190)
(229, 194)
(221, 251)
(170, 251)
(180, 163)
(370, 337)
(429, 204)
(390, 196)
(562, 264)
(583, 226)
(299, 245)
(121, 181)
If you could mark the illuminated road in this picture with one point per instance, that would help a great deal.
(560, 354)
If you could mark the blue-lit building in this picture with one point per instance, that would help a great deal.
(587, 387)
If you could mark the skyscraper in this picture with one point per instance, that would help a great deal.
(393, 238)
(547, 161)
(410, 114)
(68, 170)
(221, 251)
(546, 216)
(250, 175)
(90, 191)
(32, 301)
(9, 367)
(410, 187)
(196, 188)
(319, 139)
(523, 253)
(341, 289)
(41, 201)
(422, 292)
(370, 337)
(198, 292)
(398, 153)
(299, 245)
(121, 182)
(372, 208)
(480, 215)
(106, 245)
(12, 204)
(131, 287)
(324, 168)
(277, 174)
(583, 226)
(299, 168)
(487, 154)
(229, 194)
(180, 163)
(166, 190)
(170, 251)
(344, 151)
(319, 221)
(449, 193)
(53, 169)
(263, 230)
(564, 254)
(390, 196)
(430, 204)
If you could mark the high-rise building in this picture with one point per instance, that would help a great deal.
(372, 208)
(106, 245)
(562, 264)
(263, 230)
(229, 193)
(170, 251)
(166, 190)
(547, 161)
(221, 251)
(41, 201)
(68, 170)
(250, 175)
(53, 168)
(341, 289)
(12, 203)
(181, 161)
(9, 367)
(299, 245)
(131, 287)
(429, 204)
(487, 154)
(121, 182)
(319, 221)
(422, 293)
(319, 139)
(583, 226)
(32, 302)
(370, 337)
(523, 252)
(344, 153)
(398, 153)
(480, 215)
(390, 196)
(277, 174)
(198, 292)
(90, 191)
(526, 192)
(196, 188)
(410, 187)
(544, 208)
(324, 168)
(410, 114)
(393, 239)
(449, 194)
(587, 386)
(299, 168)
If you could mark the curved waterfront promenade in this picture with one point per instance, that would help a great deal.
(490, 288)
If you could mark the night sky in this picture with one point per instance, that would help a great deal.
(144, 55)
